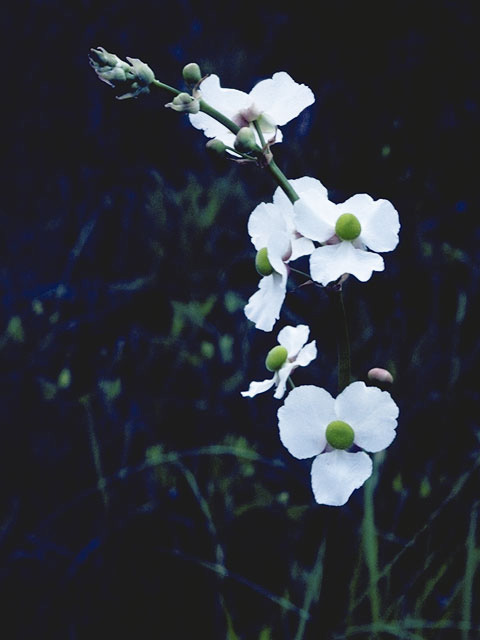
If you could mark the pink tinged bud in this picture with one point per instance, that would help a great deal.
(378, 375)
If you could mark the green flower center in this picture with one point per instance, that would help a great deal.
(339, 434)
(348, 227)
(262, 263)
(276, 358)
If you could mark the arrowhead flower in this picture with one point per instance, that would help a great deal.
(272, 229)
(312, 423)
(272, 103)
(291, 353)
(348, 229)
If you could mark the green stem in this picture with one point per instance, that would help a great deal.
(469, 575)
(282, 181)
(213, 113)
(302, 273)
(370, 545)
(277, 174)
(95, 447)
(165, 87)
(344, 374)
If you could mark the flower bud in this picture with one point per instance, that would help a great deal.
(191, 74)
(339, 434)
(245, 140)
(142, 72)
(276, 358)
(133, 76)
(262, 263)
(216, 146)
(348, 227)
(184, 103)
(378, 375)
(102, 58)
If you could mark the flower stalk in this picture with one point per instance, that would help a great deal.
(343, 340)
(340, 240)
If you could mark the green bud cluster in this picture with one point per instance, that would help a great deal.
(339, 434)
(276, 358)
(348, 227)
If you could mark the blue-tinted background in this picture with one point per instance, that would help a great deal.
(125, 268)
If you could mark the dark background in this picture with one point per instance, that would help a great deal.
(125, 268)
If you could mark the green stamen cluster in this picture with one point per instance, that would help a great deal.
(276, 358)
(339, 434)
(348, 227)
(262, 263)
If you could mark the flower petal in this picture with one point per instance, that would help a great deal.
(263, 307)
(336, 474)
(303, 418)
(279, 250)
(371, 413)
(380, 229)
(263, 221)
(301, 185)
(293, 338)
(329, 262)
(258, 387)
(315, 216)
(378, 218)
(281, 97)
(307, 354)
(282, 377)
(301, 247)
(227, 101)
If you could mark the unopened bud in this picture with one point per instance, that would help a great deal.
(101, 57)
(245, 140)
(191, 74)
(262, 263)
(184, 103)
(276, 358)
(378, 375)
(216, 146)
(133, 77)
(141, 71)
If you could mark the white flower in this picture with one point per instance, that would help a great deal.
(271, 227)
(312, 423)
(349, 229)
(272, 102)
(296, 353)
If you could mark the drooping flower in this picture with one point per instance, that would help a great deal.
(348, 229)
(272, 102)
(290, 353)
(313, 423)
(272, 229)
(132, 77)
